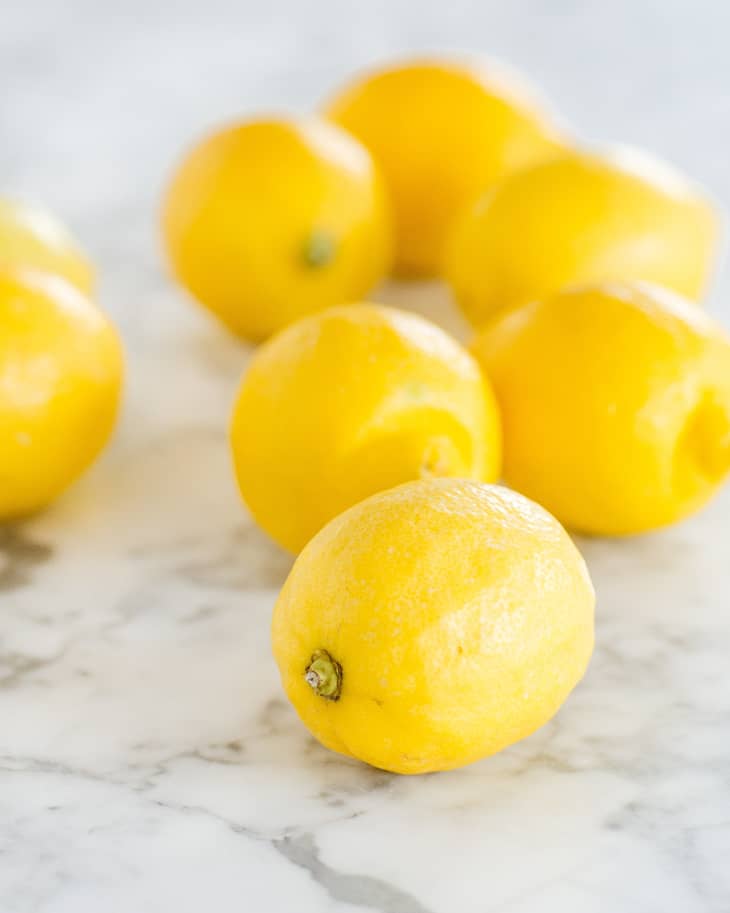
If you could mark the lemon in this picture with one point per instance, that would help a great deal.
(33, 238)
(442, 131)
(577, 218)
(616, 404)
(433, 624)
(269, 220)
(60, 379)
(348, 402)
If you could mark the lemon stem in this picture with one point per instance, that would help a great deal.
(324, 675)
(319, 249)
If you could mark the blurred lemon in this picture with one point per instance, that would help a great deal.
(616, 405)
(433, 624)
(33, 238)
(442, 132)
(581, 218)
(351, 401)
(269, 220)
(60, 379)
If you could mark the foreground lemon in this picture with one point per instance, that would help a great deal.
(351, 401)
(269, 220)
(60, 379)
(433, 624)
(581, 218)
(442, 132)
(31, 237)
(616, 404)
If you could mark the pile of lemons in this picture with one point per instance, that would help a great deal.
(432, 617)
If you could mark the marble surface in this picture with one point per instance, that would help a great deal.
(148, 760)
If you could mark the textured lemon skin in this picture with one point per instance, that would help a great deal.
(269, 220)
(32, 238)
(581, 218)
(461, 615)
(60, 379)
(616, 405)
(348, 402)
(442, 132)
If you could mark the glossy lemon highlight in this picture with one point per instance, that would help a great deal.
(616, 405)
(32, 238)
(351, 401)
(581, 218)
(442, 132)
(433, 624)
(269, 220)
(60, 379)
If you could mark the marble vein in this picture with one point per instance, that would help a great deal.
(358, 890)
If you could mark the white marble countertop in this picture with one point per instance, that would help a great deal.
(148, 760)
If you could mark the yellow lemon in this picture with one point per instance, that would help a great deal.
(581, 218)
(348, 402)
(616, 405)
(433, 624)
(60, 378)
(269, 220)
(32, 238)
(442, 133)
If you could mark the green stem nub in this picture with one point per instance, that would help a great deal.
(319, 249)
(324, 675)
